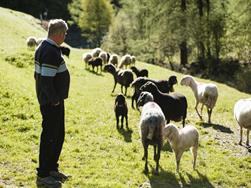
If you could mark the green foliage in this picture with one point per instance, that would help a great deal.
(93, 17)
(21, 60)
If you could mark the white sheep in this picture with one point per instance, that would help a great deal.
(86, 57)
(95, 52)
(125, 61)
(31, 42)
(242, 114)
(103, 56)
(133, 60)
(205, 93)
(114, 59)
(151, 125)
(181, 140)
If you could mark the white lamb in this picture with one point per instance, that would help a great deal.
(95, 52)
(242, 114)
(86, 57)
(103, 56)
(181, 140)
(114, 59)
(205, 93)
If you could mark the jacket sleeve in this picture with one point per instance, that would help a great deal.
(50, 64)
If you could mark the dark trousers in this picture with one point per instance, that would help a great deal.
(52, 138)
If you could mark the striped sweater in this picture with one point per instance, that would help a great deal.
(51, 74)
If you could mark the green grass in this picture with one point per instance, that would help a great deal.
(94, 152)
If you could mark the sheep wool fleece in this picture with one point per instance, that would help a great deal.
(52, 86)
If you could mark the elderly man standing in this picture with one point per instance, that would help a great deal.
(52, 87)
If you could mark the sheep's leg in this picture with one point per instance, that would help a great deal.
(125, 90)
(240, 143)
(121, 89)
(178, 157)
(194, 151)
(201, 110)
(247, 143)
(146, 157)
(126, 118)
(209, 112)
(154, 152)
(157, 159)
(133, 98)
(197, 110)
(115, 83)
(117, 120)
(122, 122)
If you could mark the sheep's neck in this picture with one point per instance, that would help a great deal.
(194, 87)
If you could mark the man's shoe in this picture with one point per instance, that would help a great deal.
(59, 176)
(48, 181)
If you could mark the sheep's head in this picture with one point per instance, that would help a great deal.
(170, 132)
(144, 98)
(110, 68)
(186, 80)
(120, 100)
(149, 86)
(173, 80)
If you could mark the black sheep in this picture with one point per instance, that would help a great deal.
(165, 86)
(139, 72)
(123, 77)
(174, 106)
(65, 51)
(120, 109)
(96, 62)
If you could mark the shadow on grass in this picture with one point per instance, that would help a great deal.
(49, 186)
(126, 133)
(217, 127)
(94, 72)
(168, 179)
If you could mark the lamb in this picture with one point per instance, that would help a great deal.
(103, 56)
(86, 57)
(181, 140)
(164, 86)
(31, 42)
(204, 93)
(114, 59)
(151, 126)
(174, 106)
(123, 77)
(242, 114)
(125, 61)
(65, 50)
(120, 109)
(133, 60)
(96, 62)
(139, 72)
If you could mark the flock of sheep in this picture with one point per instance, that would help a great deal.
(159, 106)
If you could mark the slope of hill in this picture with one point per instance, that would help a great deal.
(95, 153)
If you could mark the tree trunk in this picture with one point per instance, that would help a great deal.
(183, 45)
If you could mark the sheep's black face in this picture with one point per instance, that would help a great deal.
(173, 80)
(120, 100)
(109, 68)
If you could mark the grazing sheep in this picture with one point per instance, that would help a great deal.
(125, 61)
(133, 60)
(96, 62)
(103, 56)
(181, 140)
(242, 114)
(164, 86)
(152, 122)
(31, 42)
(123, 77)
(206, 94)
(86, 57)
(95, 52)
(114, 59)
(120, 109)
(139, 72)
(65, 50)
(174, 105)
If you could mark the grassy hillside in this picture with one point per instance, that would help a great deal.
(95, 153)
